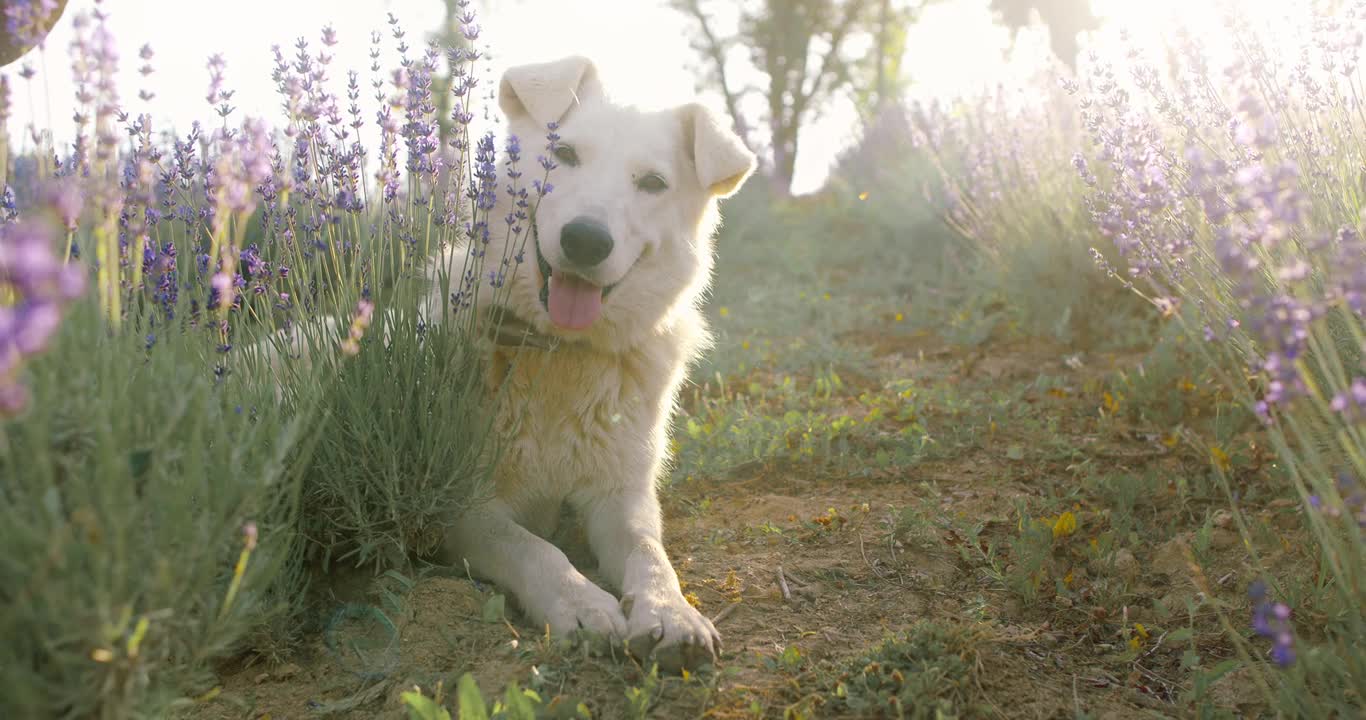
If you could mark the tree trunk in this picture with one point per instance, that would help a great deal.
(784, 159)
(883, 18)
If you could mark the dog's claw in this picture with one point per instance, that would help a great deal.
(641, 646)
(672, 631)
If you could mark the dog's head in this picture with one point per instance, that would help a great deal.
(624, 237)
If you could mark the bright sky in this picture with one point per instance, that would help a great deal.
(641, 47)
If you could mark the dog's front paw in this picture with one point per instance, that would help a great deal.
(581, 608)
(666, 626)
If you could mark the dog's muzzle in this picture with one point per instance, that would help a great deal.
(543, 266)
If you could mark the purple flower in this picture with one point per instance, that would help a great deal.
(41, 284)
(28, 21)
(1272, 620)
(34, 325)
(13, 397)
(64, 197)
(145, 70)
(360, 322)
(486, 172)
(1351, 403)
(221, 290)
(1283, 652)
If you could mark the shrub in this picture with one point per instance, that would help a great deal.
(927, 672)
(1217, 180)
(163, 480)
(131, 488)
(1226, 178)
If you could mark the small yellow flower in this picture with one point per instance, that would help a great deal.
(1219, 458)
(744, 344)
(725, 311)
(1065, 525)
(102, 655)
(900, 317)
(1171, 440)
(825, 295)
(1142, 631)
(863, 195)
(693, 600)
(1111, 402)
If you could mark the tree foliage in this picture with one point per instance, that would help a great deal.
(1063, 18)
(778, 63)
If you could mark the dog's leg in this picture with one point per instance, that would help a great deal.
(625, 529)
(536, 572)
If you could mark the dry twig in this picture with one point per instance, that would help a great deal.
(725, 613)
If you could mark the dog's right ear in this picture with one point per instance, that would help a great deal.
(546, 91)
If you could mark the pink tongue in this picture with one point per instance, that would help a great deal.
(574, 302)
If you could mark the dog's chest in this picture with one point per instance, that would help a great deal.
(574, 420)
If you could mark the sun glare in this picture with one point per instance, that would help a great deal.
(1159, 20)
(641, 47)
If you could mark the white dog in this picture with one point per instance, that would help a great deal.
(623, 250)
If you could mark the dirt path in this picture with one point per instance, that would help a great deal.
(811, 564)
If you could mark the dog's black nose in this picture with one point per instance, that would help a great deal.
(586, 242)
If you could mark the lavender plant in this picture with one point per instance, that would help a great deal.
(1218, 178)
(996, 156)
(1224, 181)
(1231, 188)
(38, 285)
(164, 479)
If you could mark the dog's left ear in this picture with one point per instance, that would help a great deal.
(547, 91)
(722, 160)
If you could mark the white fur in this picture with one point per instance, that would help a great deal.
(588, 423)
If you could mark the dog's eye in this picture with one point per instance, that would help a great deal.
(567, 155)
(652, 183)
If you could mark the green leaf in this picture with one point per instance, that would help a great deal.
(1222, 669)
(520, 706)
(494, 609)
(139, 461)
(421, 707)
(1015, 452)
(469, 699)
(1181, 635)
(402, 579)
